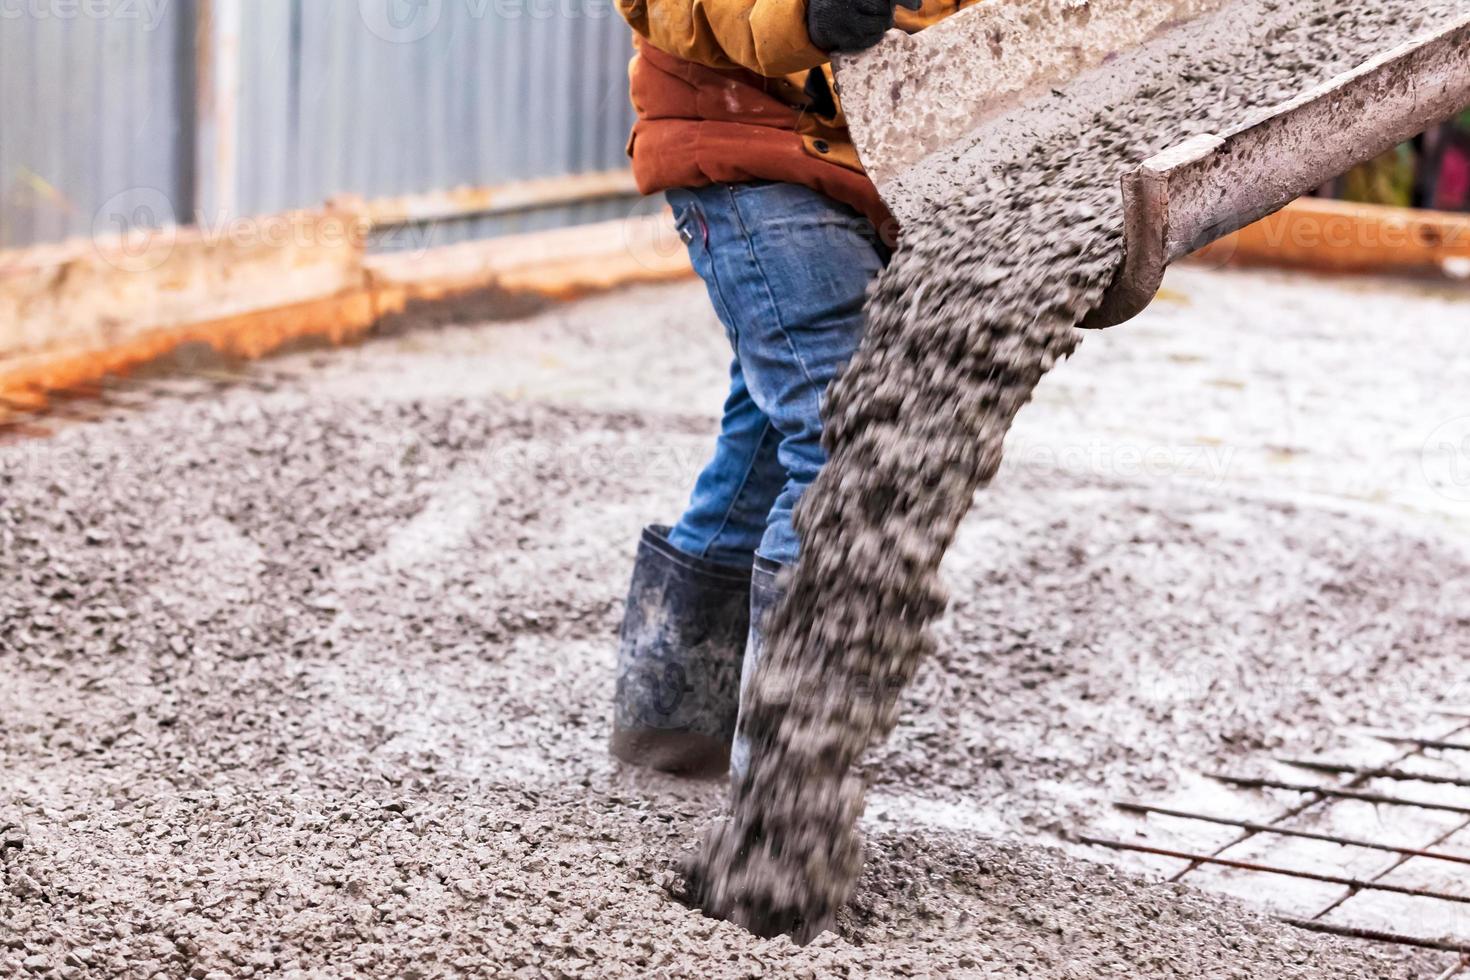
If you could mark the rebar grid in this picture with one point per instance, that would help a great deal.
(1318, 796)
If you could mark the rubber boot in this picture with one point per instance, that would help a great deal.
(679, 652)
(765, 593)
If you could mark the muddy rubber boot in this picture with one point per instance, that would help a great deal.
(679, 653)
(765, 592)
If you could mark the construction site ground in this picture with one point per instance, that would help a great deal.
(310, 677)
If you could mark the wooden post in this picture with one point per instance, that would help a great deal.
(216, 110)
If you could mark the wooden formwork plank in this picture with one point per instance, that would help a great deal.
(76, 311)
(562, 263)
(25, 380)
(1342, 237)
(105, 292)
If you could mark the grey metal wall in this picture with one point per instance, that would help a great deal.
(372, 97)
(93, 116)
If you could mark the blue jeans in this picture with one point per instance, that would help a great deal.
(788, 270)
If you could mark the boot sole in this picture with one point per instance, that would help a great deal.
(680, 753)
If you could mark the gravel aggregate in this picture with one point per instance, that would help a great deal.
(314, 683)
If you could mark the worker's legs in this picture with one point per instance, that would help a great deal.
(685, 624)
(787, 269)
(732, 498)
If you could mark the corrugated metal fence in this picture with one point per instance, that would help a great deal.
(107, 103)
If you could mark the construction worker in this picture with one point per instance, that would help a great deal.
(740, 129)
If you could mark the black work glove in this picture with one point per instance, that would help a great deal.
(851, 25)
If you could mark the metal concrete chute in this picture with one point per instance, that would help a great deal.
(981, 86)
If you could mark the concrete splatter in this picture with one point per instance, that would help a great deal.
(981, 300)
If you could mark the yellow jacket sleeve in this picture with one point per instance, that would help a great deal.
(767, 37)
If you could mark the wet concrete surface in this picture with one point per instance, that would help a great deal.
(314, 682)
